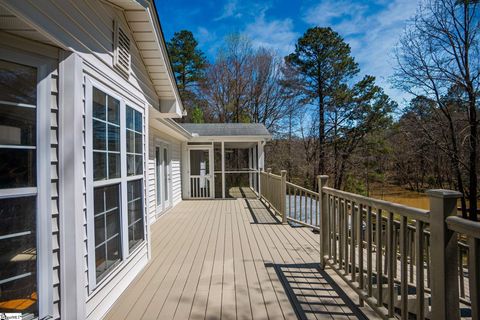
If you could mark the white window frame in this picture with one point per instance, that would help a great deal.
(42, 191)
(90, 83)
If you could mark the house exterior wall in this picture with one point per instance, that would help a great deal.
(155, 137)
(82, 31)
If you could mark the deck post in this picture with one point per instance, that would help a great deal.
(323, 224)
(444, 251)
(474, 274)
(283, 196)
(267, 185)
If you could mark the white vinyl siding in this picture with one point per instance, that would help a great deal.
(176, 169)
(87, 27)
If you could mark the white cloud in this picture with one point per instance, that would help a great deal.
(372, 35)
(274, 34)
(230, 9)
(326, 11)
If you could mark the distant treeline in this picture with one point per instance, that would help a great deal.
(328, 120)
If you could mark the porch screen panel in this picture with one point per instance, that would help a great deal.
(18, 183)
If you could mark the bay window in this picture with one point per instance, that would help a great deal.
(116, 217)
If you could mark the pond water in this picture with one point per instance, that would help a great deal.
(402, 196)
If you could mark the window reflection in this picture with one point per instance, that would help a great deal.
(135, 213)
(18, 83)
(18, 252)
(17, 125)
(18, 255)
(106, 136)
(107, 229)
(134, 142)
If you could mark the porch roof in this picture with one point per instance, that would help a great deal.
(251, 130)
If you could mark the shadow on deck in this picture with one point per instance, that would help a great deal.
(313, 292)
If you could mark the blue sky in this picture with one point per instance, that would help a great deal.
(372, 28)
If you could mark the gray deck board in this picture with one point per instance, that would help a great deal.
(230, 259)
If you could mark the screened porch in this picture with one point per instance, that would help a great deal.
(220, 164)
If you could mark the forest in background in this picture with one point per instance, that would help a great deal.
(326, 119)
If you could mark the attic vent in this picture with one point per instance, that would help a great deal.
(121, 56)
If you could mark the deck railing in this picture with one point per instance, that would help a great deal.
(385, 251)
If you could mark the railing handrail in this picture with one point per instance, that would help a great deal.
(271, 175)
(464, 226)
(409, 212)
(302, 188)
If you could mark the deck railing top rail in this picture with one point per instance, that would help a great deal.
(409, 212)
(463, 226)
(302, 188)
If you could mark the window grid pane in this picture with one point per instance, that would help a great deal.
(134, 142)
(106, 136)
(107, 229)
(135, 213)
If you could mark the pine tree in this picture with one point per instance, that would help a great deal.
(323, 60)
(188, 64)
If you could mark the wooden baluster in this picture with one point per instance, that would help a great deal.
(345, 235)
(404, 267)
(460, 271)
(385, 240)
(311, 209)
(334, 228)
(359, 232)
(340, 234)
(195, 182)
(391, 252)
(411, 249)
(378, 258)
(395, 245)
(352, 242)
(419, 270)
(295, 203)
(369, 250)
(427, 247)
(329, 223)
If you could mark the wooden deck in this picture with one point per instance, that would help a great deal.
(230, 259)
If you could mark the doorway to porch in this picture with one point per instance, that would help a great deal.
(200, 174)
(163, 177)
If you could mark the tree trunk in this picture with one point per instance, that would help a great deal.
(321, 133)
(456, 166)
(335, 151)
(473, 183)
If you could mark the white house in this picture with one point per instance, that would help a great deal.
(90, 155)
